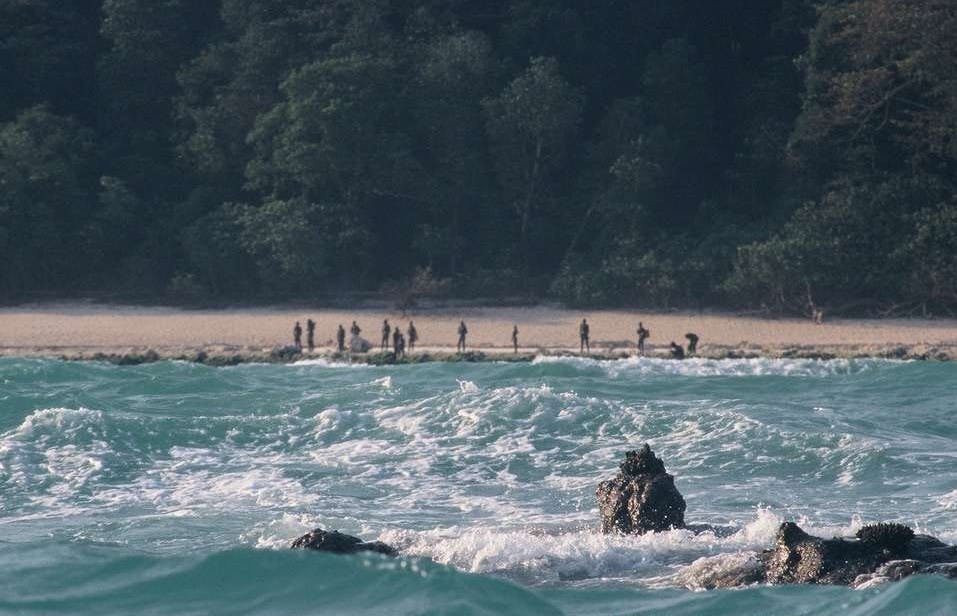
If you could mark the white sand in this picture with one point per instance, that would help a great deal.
(29, 330)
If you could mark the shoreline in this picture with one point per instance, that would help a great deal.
(231, 356)
(138, 334)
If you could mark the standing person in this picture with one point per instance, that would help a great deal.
(401, 348)
(413, 336)
(386, 330)
(583, 331)
(515, 338)
(297, 336)
(310, 334)
(643, 335)
(692, 343)
(396, 335)
(354, 330)
(341, 338)
(462, 331)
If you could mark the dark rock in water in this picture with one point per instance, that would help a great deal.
(945, 569)
(930, 550)
(720, 531)
(642, 498)
(892, 537)
(340, 543)
(881, 552)
(892, 571)
(799, 558)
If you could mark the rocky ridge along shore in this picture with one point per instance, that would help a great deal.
(231, 355)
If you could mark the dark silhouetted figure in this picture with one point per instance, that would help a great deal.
(462, 331)
(354, 330)
(400, 347)
(676, 351)
(386, 330)
(643, 335)
(692, 343)
(396, 334)
(413, 336)
(515, 338)
(341, 338)
(583, 331)
(310, 334)
(297, 336)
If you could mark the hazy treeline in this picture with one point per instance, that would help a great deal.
(764, 153)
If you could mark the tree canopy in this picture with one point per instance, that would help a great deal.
(779, 155)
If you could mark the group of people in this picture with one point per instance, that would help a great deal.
(310, 335)
(398, 339)
(394, 337)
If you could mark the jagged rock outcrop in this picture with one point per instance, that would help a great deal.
(880, 552)
(340, 543)
(641, 498)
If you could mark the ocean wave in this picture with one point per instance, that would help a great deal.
(702, 367)
(254, 582)
(543, 557)
(487, 468)
(324, 362)
(243, 581)
(57, 450)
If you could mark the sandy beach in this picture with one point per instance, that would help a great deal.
(80, 331)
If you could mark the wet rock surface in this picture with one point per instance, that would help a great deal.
(641, 498)
(879, 552)
(340, 543)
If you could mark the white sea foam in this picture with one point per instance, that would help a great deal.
(41, 451)
(696, 366)
(493, 478)
(582, 554)
(948, 501)
(323, 362)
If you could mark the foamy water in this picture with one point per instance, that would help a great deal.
(186, 473)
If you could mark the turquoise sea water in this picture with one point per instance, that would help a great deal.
(174, 488)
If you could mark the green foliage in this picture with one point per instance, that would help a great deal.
(828, 248)
(422, 284)
(335, 135)
(45, 199)
(645, 153)
(114, 224)
(216, 256)
(47, 55)
(881, 85)
(281, 248)
(931, 256)
(454, 73)
(531, 124)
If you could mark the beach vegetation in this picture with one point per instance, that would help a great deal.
(788, 156)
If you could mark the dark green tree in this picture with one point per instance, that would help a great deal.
(531, 125)
(455, 73)
(46, 195)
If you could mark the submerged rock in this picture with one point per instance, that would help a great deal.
(340, 543)
(641, 498)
